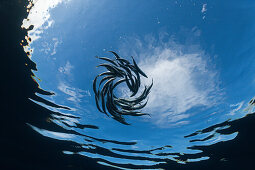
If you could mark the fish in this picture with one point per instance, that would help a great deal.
(113, 112)
(122, 71)
(103, 92)
(110, 110)
(106, 73)
(121, 120)
(135, 88)
(138, 99)
(117, 83)
(95, 86)
(105, 78)
(122, 61)
(135, 113)
(129, 75)
(136, 108)
(149, 88)
(138, 78)
(128, 112)
(98, 107)
(103, 103)
(107, 59)
(116, 55)
(121, 105)
(127, 69)
(138, 69)
(111, 107)
(106, 87)
(128, 83)
(112, 68)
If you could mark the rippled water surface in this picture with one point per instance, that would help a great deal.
(200, 55)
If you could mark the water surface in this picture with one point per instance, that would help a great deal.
(198, 53)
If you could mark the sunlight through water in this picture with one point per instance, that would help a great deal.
(197, 91)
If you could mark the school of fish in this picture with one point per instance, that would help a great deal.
(120, 70)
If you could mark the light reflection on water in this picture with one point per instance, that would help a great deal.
(64, 44)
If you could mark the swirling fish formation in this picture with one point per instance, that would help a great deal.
(120, 70)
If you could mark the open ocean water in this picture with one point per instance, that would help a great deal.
(198, 57)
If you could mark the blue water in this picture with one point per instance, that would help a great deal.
(198, 53)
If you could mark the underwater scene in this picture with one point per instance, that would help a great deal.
(120, 84)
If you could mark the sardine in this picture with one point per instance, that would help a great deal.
(104, 79)
(138, 69)
(107, 59)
